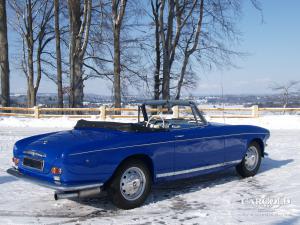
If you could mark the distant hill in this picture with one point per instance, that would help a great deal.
(94, 100)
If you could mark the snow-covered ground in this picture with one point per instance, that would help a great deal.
(271, 197)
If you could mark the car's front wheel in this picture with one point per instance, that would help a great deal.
(251, 161)
(130, 185)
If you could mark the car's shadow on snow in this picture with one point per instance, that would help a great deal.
(269, 164)
(7, 179)
(175, 189)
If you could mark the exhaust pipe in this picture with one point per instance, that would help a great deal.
(77, 194)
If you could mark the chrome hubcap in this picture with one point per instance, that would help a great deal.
(132, 183)
(251, 158)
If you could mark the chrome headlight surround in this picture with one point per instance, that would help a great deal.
(266, 139)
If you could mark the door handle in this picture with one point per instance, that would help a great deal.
(179, 136)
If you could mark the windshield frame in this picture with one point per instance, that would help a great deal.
(169, 104)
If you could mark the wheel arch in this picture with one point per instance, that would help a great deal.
(260, 142)
(140, 157)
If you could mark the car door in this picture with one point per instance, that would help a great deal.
(198, 149)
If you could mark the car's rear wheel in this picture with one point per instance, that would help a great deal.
(251, 161)
(130, 185)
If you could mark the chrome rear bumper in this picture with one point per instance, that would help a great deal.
(61, 188)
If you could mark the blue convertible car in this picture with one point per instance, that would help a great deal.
(127, 158)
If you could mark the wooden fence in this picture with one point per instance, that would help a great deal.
(105, 112)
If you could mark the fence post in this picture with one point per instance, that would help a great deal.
(103, 112)
(36, 112)
(175, 110)
(255, 111)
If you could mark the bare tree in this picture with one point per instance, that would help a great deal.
(208, 39)
(33, 18)
(197, 32)
(4, 61)
(285, 90)
(57, 62)
(100, 60)
(193, 40)
(181, 11)
(44, 36)
(79, 35)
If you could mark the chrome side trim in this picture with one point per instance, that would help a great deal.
(194, 127)
(13, 171)
(197, 169)
(163, 142)
(35, 153)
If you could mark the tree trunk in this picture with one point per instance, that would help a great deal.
(60, 95)
(79, 35)
(78, 82)
(182, 73)
(157, 60)
(4, 62)
(117, 69)
(166, 77)
(31, 95)
(118, 10)
(156, 86)
(76, 94)
(31, 101)
(38, 70)
(167, 51)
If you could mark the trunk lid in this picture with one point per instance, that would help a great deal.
(49, 148)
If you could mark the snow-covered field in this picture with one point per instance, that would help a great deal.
(271, 197)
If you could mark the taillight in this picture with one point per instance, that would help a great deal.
(56, 170)
(15, 160)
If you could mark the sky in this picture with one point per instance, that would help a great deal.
(273, 51)
(272, 47)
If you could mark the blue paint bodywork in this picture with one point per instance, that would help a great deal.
(92, 155)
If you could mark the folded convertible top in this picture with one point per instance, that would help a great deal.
(130, 127)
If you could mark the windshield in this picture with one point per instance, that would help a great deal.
(175, 116)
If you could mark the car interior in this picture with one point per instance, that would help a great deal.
(155, 116)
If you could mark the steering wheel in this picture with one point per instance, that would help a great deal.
(152, 117)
